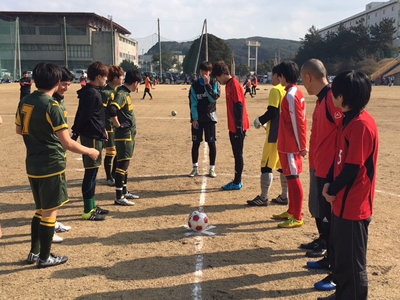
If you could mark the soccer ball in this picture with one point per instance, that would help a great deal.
(198, 221)
(174, 113)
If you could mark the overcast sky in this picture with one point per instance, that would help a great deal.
(183, 19)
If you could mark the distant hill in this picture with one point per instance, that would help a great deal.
(267, 50)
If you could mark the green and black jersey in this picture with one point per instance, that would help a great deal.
(40, 117)
(108, 94)
(124, 105)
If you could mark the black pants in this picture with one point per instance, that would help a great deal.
(350, 239)
(237, 142)
(325, 212)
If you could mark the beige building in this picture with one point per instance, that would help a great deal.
(373, 14)
(73, 40)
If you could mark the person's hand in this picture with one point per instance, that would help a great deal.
(328, 197)
(206, 79)
(93, 153)
(303, 152)
(195, 125)
(257, 123)
(239, 132)
(74, 136)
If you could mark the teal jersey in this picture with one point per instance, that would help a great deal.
(108, 94)
(123, 102)
(40, 117)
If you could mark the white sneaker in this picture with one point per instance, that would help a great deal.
(123, 202)
(57, 238)
(60, 227)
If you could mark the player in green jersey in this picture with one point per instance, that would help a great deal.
(115, 79)
(123, 118)
(41, 122)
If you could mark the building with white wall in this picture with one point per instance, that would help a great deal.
(373, 14)
(69, 39)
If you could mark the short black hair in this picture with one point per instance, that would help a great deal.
(290, 70)
(206, 66)
(354, 87)
(219, 68)
(275, 70)
(132, 76)
(66, 74)
(46, 75)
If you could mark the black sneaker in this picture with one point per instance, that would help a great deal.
(312, 245)
(93, 216)
(53, 260)
(320, 251)
(101, 211)
(257, 201)
(322, 264)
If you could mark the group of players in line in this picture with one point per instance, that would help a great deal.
(343, 151)
(104, 119)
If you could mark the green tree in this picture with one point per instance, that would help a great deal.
(312, 46)
(217, 50)
(168, 60)
(242, 70)
(382, 37)
(128, 65)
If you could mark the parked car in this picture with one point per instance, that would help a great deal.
(78, 73)
(5, 73)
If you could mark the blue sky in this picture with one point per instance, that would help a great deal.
(183, 19)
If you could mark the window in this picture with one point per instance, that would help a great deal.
(29, 47)
(51, 47)
(383, 11)
(25, 30)
(79, 51)
(50, 30)
(76, 30)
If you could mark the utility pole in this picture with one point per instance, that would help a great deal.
(65, 43)
(205, 27)
(112, 40)
(159, 47)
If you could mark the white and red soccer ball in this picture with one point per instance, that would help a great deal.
(198, 221)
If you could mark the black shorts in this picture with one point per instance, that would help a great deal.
(209, 132)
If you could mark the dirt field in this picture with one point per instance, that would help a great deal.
(142, 252)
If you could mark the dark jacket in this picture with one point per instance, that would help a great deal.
(90, 119)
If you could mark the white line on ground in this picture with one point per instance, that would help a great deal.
(199, 239)
(386, 193)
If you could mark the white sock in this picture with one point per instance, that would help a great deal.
(266, 182)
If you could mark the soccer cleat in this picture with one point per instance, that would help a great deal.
(194, 172)
(320, 251)
(283, 216)
(123, 202)
(60, 227)
(57, 238)
(291, 223)
(129, 195)
(322, 264)
(257, 201)
(212, 173)
(53, 260)
(32, 258)
(101, 211)
(311, 245)
(93, 216)
(325, 284)
(280, 200)
(231, 186)
(110, 182)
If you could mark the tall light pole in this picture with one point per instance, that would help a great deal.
(112, 40)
